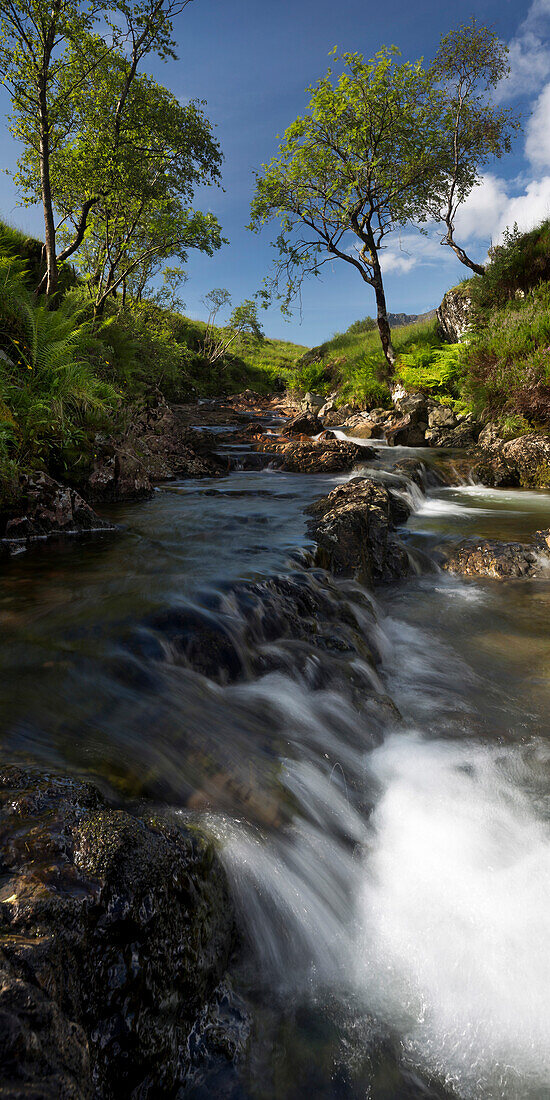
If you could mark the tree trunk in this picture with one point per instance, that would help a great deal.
(463, 257)
(51, 277)
(382, 314)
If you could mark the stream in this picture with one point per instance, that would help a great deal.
(375, 768)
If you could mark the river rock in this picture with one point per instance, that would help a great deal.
(404, 432)
(411, 402)
(501, 560)
(520, 462)
(159, 445)
(336, 416)
(304, 424)
(312, 402)
(43, 508)
(319, 456)
(354, 528)
(366, 425)
(116, 931)
(462, 435)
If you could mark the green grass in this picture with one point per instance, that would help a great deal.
(353, 363)
(507, 361)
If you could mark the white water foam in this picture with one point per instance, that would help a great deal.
(455, 943)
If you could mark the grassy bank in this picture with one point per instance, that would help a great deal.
(67, 376)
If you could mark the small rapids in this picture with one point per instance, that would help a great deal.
(376, 770)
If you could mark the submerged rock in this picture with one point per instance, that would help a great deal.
(501, 560)
(43, 508)
(354, 528)
(116, 930)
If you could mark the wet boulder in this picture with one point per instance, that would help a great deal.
(354, 528)
(521, 462)
(116, 931)
(43, 508)
(320, 456)
(501, 560)
(303, 424)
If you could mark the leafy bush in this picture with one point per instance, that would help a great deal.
(516, 266)
(438, 370)
(368, 324)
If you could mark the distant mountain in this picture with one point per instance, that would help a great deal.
(397, 319)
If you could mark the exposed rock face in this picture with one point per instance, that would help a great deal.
(524, 461)
(454, 314)
(116, 931)
(354, 528)
(501, 560)
(463, 434)
(43, 509)
(319, 456)
(158, 446)
(312, 402)
(333, 417)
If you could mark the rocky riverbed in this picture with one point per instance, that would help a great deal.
(195, 695)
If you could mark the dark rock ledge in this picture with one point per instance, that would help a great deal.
(116, 931)
(46, 509)
(354, 528)
(501, 560)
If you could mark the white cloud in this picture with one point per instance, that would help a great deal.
(413, 250)
(529, 54)
(491, 209)
(537, 140)
(481, 214)
(528, 209)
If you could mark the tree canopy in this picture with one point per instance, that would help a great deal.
(471, 61)
(351, 171)
(45, 62)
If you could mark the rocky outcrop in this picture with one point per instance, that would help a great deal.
(501, 560)
(354, 528)
(158, 446)
(454, 314)
(521, 462)
(319, 456)
(303, 424)
(116, 931)
(42, 508)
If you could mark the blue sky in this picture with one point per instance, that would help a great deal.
(251, 60)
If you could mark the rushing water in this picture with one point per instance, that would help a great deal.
(376, 770)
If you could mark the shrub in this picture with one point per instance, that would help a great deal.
(516, 266)
(437, 370)
(508, 360)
